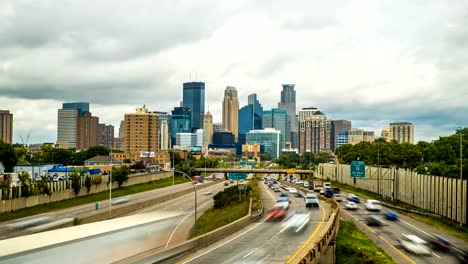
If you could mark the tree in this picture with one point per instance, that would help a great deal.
(97, 179)
(265, 156)
(120, 175)
(88, 183)
(76, 182)
(26, 181)
(8, 156)
(95, 151)
(43, 186)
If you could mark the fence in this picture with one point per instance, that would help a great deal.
(439, 195)
(62, 190)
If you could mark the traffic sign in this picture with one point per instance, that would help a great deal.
(237, 175)
(358, 169)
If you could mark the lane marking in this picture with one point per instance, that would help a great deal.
(436, 255)
(310, 237)
(379, 236)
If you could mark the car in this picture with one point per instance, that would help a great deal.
(414, 244)
(277, 189)
(374, 221)
(306, 185)
(351, 206)
(391, 215)
(283, 202)
(120, 200)
(373, 205)
(298, 221)
(292, 190)
(338, 197)
(312, 201)
(462, 257)
(276, 213)
(327, 185)
(328, 193)
(440, 243)
(208, 193)
(353, 198)
(55, 178)
(299, 194)
(336, 190)
(322, 191)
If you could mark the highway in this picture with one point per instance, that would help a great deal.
(262, 241)
(117, 245)
(386, 236)
(31, 224)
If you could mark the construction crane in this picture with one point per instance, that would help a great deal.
(25, 144)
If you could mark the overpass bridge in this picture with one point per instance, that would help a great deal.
(245, 170)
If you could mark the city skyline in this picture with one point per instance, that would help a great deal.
(366, 67)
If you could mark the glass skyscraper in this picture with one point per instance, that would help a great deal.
(288, 103)
(250, 117)
(269, 138)
(194, 99)
(278, 119)
(82, 107)
(181, 122)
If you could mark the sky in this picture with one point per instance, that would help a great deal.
(371, 62)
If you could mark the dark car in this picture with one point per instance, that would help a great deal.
(353, 198)
(336, 190)
(440, 243)
(328, 193)
(299, 194)
(391, 215)
(374, 221)
(462, 257)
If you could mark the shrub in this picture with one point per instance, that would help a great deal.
(88, 183)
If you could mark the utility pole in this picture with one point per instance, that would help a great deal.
(461, 169)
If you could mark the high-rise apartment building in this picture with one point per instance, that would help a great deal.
(341, 139)
(6, 126)
(194, 99)
(86, 131)
(356, 135)
(402, 132)
(288, 103)
(314, 131)
(106, 135)
(278, 119)
(181, 122)
(231, 111)
(385, 134)
(269, 138)
(141, 133)
(250, 118)
(338, 126)
(208, 127)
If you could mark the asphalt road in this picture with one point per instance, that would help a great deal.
(28, 225)
(263, 241)
(386, 236)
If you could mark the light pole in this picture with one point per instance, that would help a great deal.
(461, 168)
(110, 185)
(195, 190)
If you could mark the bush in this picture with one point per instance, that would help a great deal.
(88, 183)
(76, 182)
(228, 197)
(97, 180)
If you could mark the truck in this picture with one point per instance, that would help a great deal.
(315, 185)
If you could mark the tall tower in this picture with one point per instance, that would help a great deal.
(67, 123)
(164, 135)
(402, 132)
(86, 131)
(314, 131)
(6, 126)
(141, 132)
(231, 111)
(279, 120)
(181, 122)
(194, 99)
(288, 103)
(208, 126)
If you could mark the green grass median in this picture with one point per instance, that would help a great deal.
(353, 246)
(91, 198)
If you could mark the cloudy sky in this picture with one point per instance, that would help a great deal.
(372, 62)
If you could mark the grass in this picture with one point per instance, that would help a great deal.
(122, 191)
(442, 223)
(353, 246)
(216, 218)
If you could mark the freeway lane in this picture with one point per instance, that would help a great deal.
(388, 234)
(24, 226)
(262, 242)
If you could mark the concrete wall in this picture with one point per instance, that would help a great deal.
(439, 195)
(60, 192)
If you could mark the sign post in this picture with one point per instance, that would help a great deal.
(358, 170)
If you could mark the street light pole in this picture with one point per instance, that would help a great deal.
(110, 186)
(195, 190)
(461, 169)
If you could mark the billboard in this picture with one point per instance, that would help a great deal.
(147, 154)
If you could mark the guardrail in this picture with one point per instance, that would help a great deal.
(259, 212)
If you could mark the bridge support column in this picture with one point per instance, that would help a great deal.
(329, 257)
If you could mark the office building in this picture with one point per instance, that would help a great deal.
(164, 135)
(288, 103)
(341, 139)
(6, 126)
(81, 107)
(194, 99)
(188, 140)
(338, 126)
(385, 134)
(208, 126)
(106, 135)
(402, 132)
(223, 138)
(250, 152)
(314, 131)
(218, 127)
(231, 111)
(66, 128)
(181, 122)
(86, 131)
(141, 133)
(278, 119)
(269, 138)
(356, 135)
(257, 111)
(121, 129)
(250, 117)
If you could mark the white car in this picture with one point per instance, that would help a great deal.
(322, 191)
(338, 197)
(351, 206)
(292, 190)
(415, 245)
(298, 221)
(327, 185)
(283, 202)
(373, 205)
(306, 185)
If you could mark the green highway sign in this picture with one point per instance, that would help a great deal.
(358, 169)
(237, 175)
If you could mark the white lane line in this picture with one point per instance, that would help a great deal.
(250, 253)
(436, 255)
(266, 242)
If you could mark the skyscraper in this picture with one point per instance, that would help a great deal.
(269, 138)
(82, 107)
(6, 126)
(86, 131)
(208, 126)
(106, 135)
(141, 133)
(67, 122)
(402, 132)
(314, 131)
(218, 127)
(257, 111)
(278, 119)
(121, 129)
(181, 122)
(194, 99)
(338, 126)
(164, 135)
(250, 117)
(288, 103)
(231, 111)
